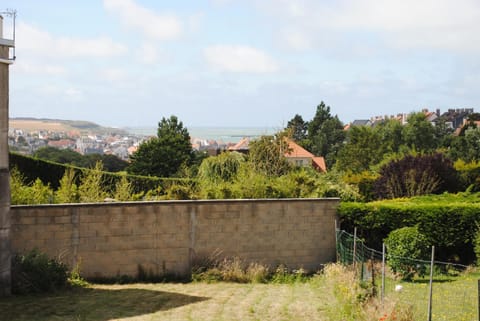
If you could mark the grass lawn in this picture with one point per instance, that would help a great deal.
(193, 301)
(453, 299)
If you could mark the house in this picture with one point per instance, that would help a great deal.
(241, 146)
(62, 144)
(299, 156)
(431, 116)
(455, 118)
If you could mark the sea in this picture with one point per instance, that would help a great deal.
(219, 134)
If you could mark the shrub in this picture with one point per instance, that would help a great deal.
(364, 181)
(223, 167)
(67, 191)
(404, 247)
(123, 190)
(415, 175)
(476, 245)
(35, 272)
(449, 221)
(469, 174)
(91, 188)
(34, 193)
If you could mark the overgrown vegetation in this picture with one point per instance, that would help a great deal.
(215, 268)
(35, 272)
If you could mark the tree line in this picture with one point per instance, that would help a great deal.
(387, 160)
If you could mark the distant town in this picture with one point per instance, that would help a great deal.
(27, 135)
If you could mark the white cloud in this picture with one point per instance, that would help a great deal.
(73, 92)
(29, 67)
(432, 24)
(239, 59)
(113, 74)
(296, 39)
(152, 24)
(148, 54)
(30, 39)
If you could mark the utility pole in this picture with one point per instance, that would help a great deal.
(5, 217)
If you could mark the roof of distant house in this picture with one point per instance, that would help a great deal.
(241, 145)
(361, 122)
(319, 164)
(295, 150)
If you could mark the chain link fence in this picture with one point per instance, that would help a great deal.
(451, 293)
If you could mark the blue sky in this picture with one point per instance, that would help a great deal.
(241, 62)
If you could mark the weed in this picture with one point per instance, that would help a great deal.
(35, 272)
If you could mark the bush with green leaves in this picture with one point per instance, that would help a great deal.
(67, 192)
(35, 272)
(221, 168)
(91, 189)
(449, 221)
(405, 246)
(34, 193)
(476, 245)
(469, 174)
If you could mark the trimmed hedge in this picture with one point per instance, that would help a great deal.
(50, 174)
(450, 226)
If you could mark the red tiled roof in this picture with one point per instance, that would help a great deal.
(295, 150)
(319, 164)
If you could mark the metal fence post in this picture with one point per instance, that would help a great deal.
(382, 295)
(354, 247)
(431, 287)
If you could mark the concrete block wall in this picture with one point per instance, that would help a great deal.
(166, 237)
(5, 223)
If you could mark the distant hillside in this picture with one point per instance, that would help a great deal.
(58, 125)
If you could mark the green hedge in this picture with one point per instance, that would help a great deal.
(32, 168)
(50, 173)
(448, 224)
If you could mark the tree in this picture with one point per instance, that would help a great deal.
(325, 134)
(419, 134)
(443, 133)
(297, 128)
(363, 148)
(65, 156)
(111, 163)
(267, 155)
(466, 147)
(163, 155)
(391, 134)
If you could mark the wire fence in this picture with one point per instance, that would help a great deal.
(451, 292)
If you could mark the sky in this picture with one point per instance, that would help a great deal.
(241, 63)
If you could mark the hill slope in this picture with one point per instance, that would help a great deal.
(58, 125)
